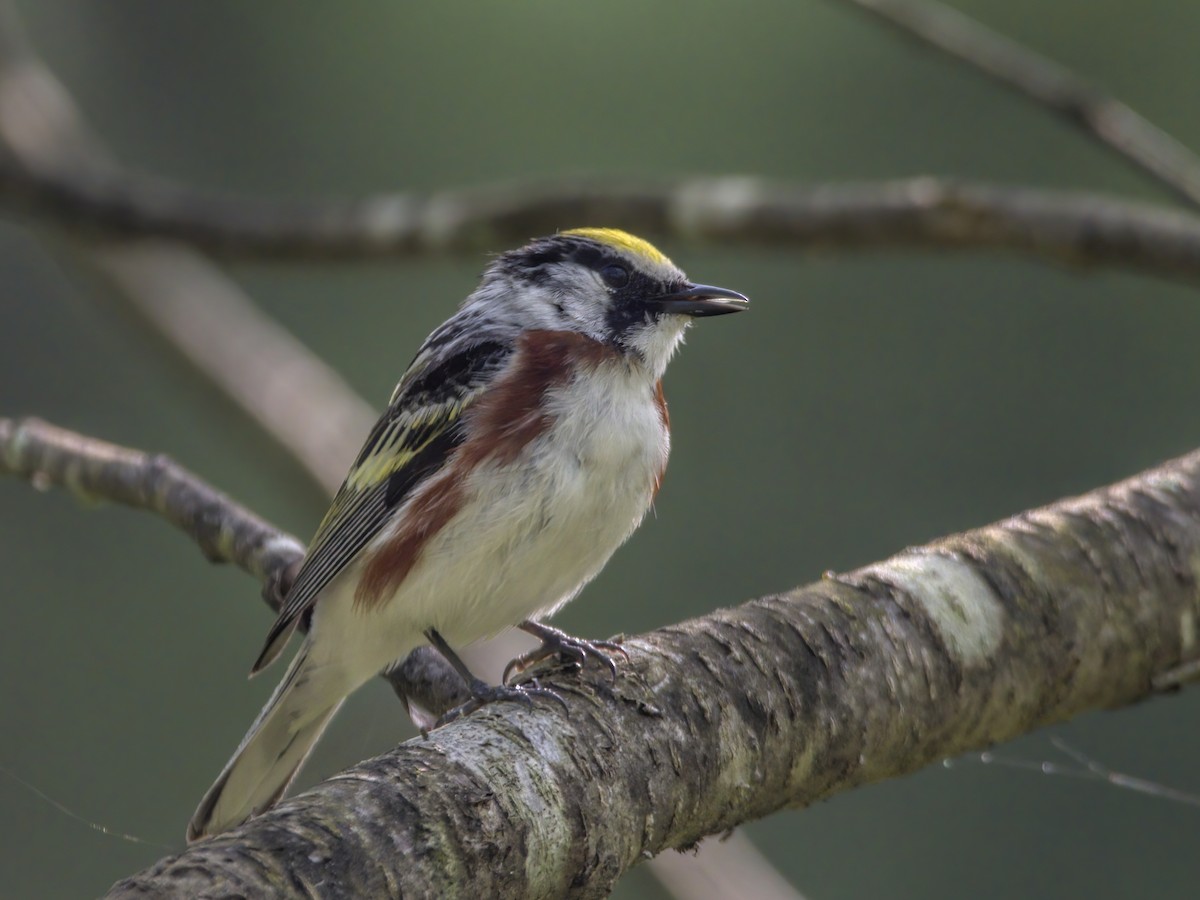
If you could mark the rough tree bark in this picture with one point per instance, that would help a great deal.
(1088, 603)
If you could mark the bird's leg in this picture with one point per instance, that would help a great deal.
(568, 649)
(483, 693)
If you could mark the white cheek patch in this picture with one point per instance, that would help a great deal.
(962, 606)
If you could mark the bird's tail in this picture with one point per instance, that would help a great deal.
(274, 748)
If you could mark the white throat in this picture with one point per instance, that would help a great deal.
(657, 343)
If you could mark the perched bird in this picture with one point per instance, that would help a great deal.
(524, 444)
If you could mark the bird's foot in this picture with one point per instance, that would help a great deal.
(571, 650)
(483, 693)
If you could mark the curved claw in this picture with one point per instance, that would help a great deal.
(569, 649)
(482, 694)
(539, 691)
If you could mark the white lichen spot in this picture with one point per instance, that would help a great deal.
(1187, 631)
(962, 606)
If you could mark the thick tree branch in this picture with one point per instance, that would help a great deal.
(780, 702)
(1085, 604)
(1103, 117)
(1066, 227)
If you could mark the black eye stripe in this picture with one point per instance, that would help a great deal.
(627, 310)
(615, 275)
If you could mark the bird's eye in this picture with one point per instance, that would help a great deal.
(615, 276)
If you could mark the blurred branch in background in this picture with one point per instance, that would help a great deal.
(969, 641)
(202, 314)
(94, 470)
(58, 174)
(289, 392)
(1072, 227)
(1080, 228)
(1051, 84)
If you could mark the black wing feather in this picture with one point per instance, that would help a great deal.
(423, 421)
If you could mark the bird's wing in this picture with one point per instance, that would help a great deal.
(411, 441)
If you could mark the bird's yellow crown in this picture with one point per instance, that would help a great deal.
(624, 241)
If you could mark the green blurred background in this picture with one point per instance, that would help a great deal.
(866, 403)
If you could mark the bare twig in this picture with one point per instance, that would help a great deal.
(1085, 769)
(226, 532)
(1051, 84)
(95, 470)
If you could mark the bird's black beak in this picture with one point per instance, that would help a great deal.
(699, 300)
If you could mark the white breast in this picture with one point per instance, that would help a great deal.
(533, 532)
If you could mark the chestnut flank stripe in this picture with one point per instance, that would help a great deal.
(660, 400)
(505, 420)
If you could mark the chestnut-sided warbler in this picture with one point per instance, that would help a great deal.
(524, 444)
